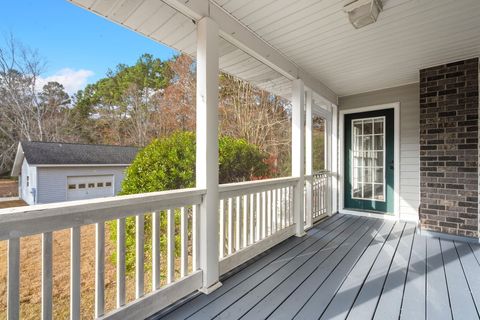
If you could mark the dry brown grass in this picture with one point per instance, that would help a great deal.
(8, 188)
(12, 203)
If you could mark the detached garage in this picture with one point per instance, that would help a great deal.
(55, 172)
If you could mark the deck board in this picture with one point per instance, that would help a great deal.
(325, 276)
(344, 298)
(414, 296)
(320, 261)
(438, 300)
(277, 253)
(260, 285)
(367, 299)
(390, 301)
(471, 270)
(320, 300)
(315, 254)
(348, 267)
(462, 304)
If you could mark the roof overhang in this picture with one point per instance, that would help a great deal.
(270, 43)
(231, 30)
(242, 37)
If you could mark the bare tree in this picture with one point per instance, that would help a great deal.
(258, 116)
(24, 114)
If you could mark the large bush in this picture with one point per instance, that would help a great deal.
(169, 163)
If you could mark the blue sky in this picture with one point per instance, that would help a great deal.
(78, 46)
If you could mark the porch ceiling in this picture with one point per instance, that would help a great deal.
(409, 35)
(316, 36)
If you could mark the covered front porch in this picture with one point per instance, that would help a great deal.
(399, 100)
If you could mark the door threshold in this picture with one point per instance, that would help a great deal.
(383, 216)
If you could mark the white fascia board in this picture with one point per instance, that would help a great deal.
(18, 162)
(238, 34)
(78, 165)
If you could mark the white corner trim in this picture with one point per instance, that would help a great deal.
(396, 186)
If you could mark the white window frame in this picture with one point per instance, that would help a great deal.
(375, 150)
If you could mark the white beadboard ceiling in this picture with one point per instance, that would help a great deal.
(316, 36)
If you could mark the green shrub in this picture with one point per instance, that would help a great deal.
(169, 163)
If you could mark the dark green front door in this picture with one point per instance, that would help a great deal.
(369, 161)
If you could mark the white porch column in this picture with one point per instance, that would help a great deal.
(309, 158)
(207, 149)
(298, 152)
(334, 161)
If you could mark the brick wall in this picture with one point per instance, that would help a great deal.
(449, 148)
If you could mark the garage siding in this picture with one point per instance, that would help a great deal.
(408, 96)
(52, 181)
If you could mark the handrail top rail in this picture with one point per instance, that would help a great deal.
(24, 221)
(321, 172)
(237, 186)
(115, 201)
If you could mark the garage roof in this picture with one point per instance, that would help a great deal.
(52, 153)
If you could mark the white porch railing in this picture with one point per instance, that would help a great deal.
(316, 197)
(253, 216)
(20, 222)
(320, 195)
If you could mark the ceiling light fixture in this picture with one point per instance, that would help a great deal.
(363, 12)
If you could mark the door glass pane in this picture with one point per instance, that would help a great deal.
(378, 157)
(379, 175)
(379, 192)
(367, 175)
(368, 191)
(357, 173)
(357, 189)
(357, 159)
(367, 143)
(367, 127)
(378, 142)
(368, 163)
(357, 127)
(358, 143)
(378, 126)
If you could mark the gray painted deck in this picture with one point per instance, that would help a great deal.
(349, 267)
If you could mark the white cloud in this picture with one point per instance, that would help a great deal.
(72, 80)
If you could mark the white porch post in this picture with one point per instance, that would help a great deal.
(298, 152)
(334, 161)
(207, 149)
(308, 158)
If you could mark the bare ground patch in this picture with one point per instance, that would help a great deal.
(8, 188)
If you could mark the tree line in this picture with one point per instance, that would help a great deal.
(131, 105)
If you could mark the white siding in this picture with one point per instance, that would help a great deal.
(52, 181)
(408, 96)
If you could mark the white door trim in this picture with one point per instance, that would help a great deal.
(396, 186)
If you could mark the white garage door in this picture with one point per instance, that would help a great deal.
(89, 187)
